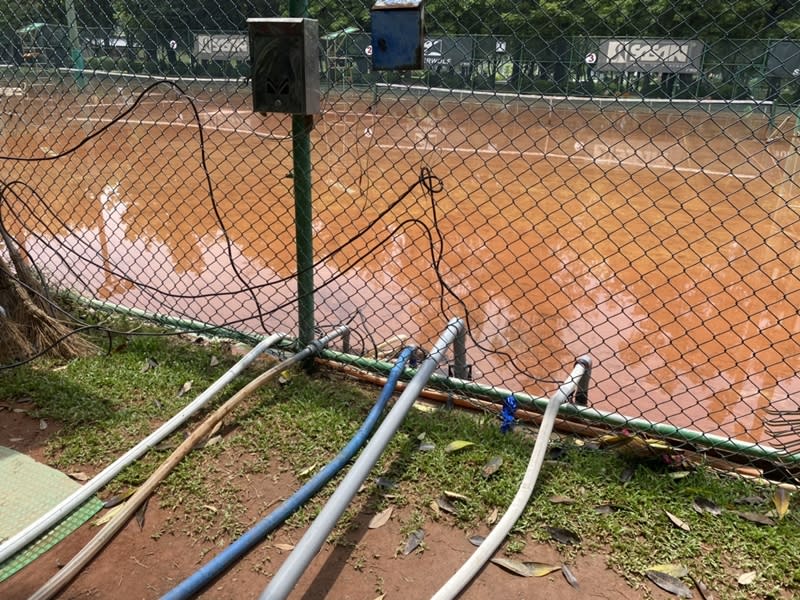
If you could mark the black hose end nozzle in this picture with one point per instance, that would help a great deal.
(582, 389)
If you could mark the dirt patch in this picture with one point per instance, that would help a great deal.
(360, 563)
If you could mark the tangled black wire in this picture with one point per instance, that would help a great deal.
(427, 181)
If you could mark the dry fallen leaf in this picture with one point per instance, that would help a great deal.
(671, 584)
(117, 499)
(149, 364)
(677, 522)
(750, 500)
(491, 466)
(307, 470)
(526, 569)
(445, 505)
(781, 501)
(413, 541)
(284, 547)
(381, 518)
(185, 388)
(705, 594)
(456, 496)
(492, 518)
(704, 505)
(747, 578)
(213, 362)
(564, 536)
(571, 579)
(561, 500)
(756, 518)
(140, 513)
(79, 476)
(42, 424)
(606, 509)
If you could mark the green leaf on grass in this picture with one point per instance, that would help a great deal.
(674, 570)
(457, 445)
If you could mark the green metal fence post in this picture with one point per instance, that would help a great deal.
(75, 43)
(301, 150)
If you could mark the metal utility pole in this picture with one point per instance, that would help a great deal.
(75, 43)
(301, 150)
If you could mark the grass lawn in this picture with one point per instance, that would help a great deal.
(736, 537)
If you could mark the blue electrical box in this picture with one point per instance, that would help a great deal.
(397, 30)
(284, 65)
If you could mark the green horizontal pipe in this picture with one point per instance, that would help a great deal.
(612, 419)
(178, 323)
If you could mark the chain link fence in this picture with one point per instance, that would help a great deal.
(618, 180)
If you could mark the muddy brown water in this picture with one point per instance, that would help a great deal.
(663, 245)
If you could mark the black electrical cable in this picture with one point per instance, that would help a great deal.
(427, 180)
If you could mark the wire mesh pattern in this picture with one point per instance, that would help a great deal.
(604, 178)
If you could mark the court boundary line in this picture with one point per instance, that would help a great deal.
(449, 149)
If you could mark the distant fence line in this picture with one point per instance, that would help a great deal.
(759, 69)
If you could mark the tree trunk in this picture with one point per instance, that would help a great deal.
(28, 322)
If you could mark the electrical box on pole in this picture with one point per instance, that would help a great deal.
(284, 65)
(397, 35)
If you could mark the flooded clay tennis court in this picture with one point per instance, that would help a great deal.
(663, 244)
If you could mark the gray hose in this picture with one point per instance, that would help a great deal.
(296, 563)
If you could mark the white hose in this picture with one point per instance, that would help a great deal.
(492, 542)
(61, 511)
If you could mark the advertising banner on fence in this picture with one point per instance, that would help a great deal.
(447, 53)
(221, 46)
(648, 56)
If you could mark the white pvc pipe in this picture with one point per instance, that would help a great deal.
(489, 546)
(61, 511)
(298, 560)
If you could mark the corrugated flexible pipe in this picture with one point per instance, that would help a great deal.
(195, 583)
(575, 381)
(305, 550)
(61, 511)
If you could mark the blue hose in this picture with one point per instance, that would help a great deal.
(195, 583)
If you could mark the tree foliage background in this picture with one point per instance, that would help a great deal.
(709, 20)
